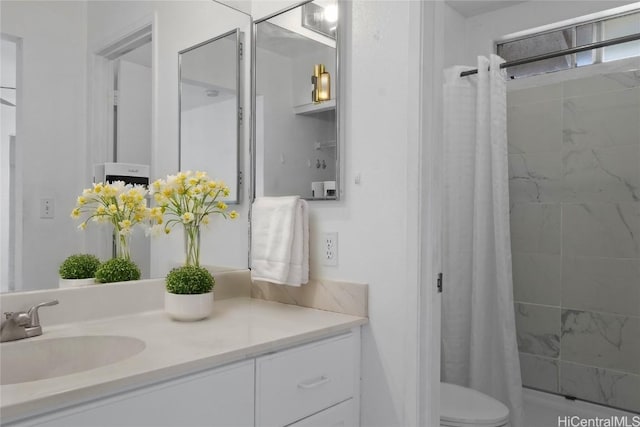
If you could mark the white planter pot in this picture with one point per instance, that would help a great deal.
(188, 307)
(72, 283)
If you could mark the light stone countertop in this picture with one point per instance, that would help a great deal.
(240, 328)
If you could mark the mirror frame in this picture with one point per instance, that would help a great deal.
(338, 96)
(239, 118)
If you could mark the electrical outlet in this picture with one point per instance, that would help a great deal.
(330, 249)
(47, 208)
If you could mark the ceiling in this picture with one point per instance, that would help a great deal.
(469, 8)
(140, 55)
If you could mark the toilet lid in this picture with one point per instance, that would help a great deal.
(461, 406)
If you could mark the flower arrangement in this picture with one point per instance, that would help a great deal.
(122, 206)
(189, 199)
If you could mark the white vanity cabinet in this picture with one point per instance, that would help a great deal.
(310, 385)
(221, 397)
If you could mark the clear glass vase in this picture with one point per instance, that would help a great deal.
(123, 247)
(192, 245)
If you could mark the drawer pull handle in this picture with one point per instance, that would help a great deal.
(313, 384)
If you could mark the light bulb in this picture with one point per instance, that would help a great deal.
(331, 13)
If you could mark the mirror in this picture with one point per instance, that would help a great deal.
(296, 103)
(210, 109)
(63, 61)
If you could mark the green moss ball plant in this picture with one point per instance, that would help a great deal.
(79, 266)
(117, 270)
(189, 280)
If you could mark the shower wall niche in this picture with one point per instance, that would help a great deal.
(574, 179)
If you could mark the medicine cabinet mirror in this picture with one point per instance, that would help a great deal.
(296, 103)
(210, 109)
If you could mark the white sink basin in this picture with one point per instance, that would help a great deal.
(25, 360)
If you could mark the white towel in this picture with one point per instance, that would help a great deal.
(280, 240)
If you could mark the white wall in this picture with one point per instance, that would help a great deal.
(134, 113)
(454, 36)
(50, 129)
(202, 128)
(178, 25)
(377, 220)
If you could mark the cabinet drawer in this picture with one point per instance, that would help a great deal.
(296, 383)
(341, 415)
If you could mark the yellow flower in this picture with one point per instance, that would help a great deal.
(154, 230)
(226, 191)
(233, 214)
(156, 214)
(109, 191)
(221, 205)
(100, 210)
(83, 225)
(75, 213)
(160, 199)
(97, 188)
(187, 217)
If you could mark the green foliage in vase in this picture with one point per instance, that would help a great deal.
(117, 270)
(189, 279)
(79, 266)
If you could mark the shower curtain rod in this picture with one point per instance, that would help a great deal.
(570, 51)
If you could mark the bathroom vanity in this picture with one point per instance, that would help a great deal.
(253, 362)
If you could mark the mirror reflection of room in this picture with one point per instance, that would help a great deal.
(296, 92)
(88, 84)
(209, 109)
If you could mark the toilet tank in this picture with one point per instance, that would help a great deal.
(129, 173)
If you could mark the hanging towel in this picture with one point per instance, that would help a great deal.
(280, 240)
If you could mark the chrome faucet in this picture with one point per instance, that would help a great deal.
(19, 325)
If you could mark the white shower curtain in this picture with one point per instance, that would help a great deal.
(478, 324)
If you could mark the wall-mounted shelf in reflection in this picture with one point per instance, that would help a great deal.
(322, 145)
(306, 109)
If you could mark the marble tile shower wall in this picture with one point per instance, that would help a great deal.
(574, 171)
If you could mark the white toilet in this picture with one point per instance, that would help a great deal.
(464, 407)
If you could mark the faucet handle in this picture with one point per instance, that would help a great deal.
(33, 312)
(19, 317)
